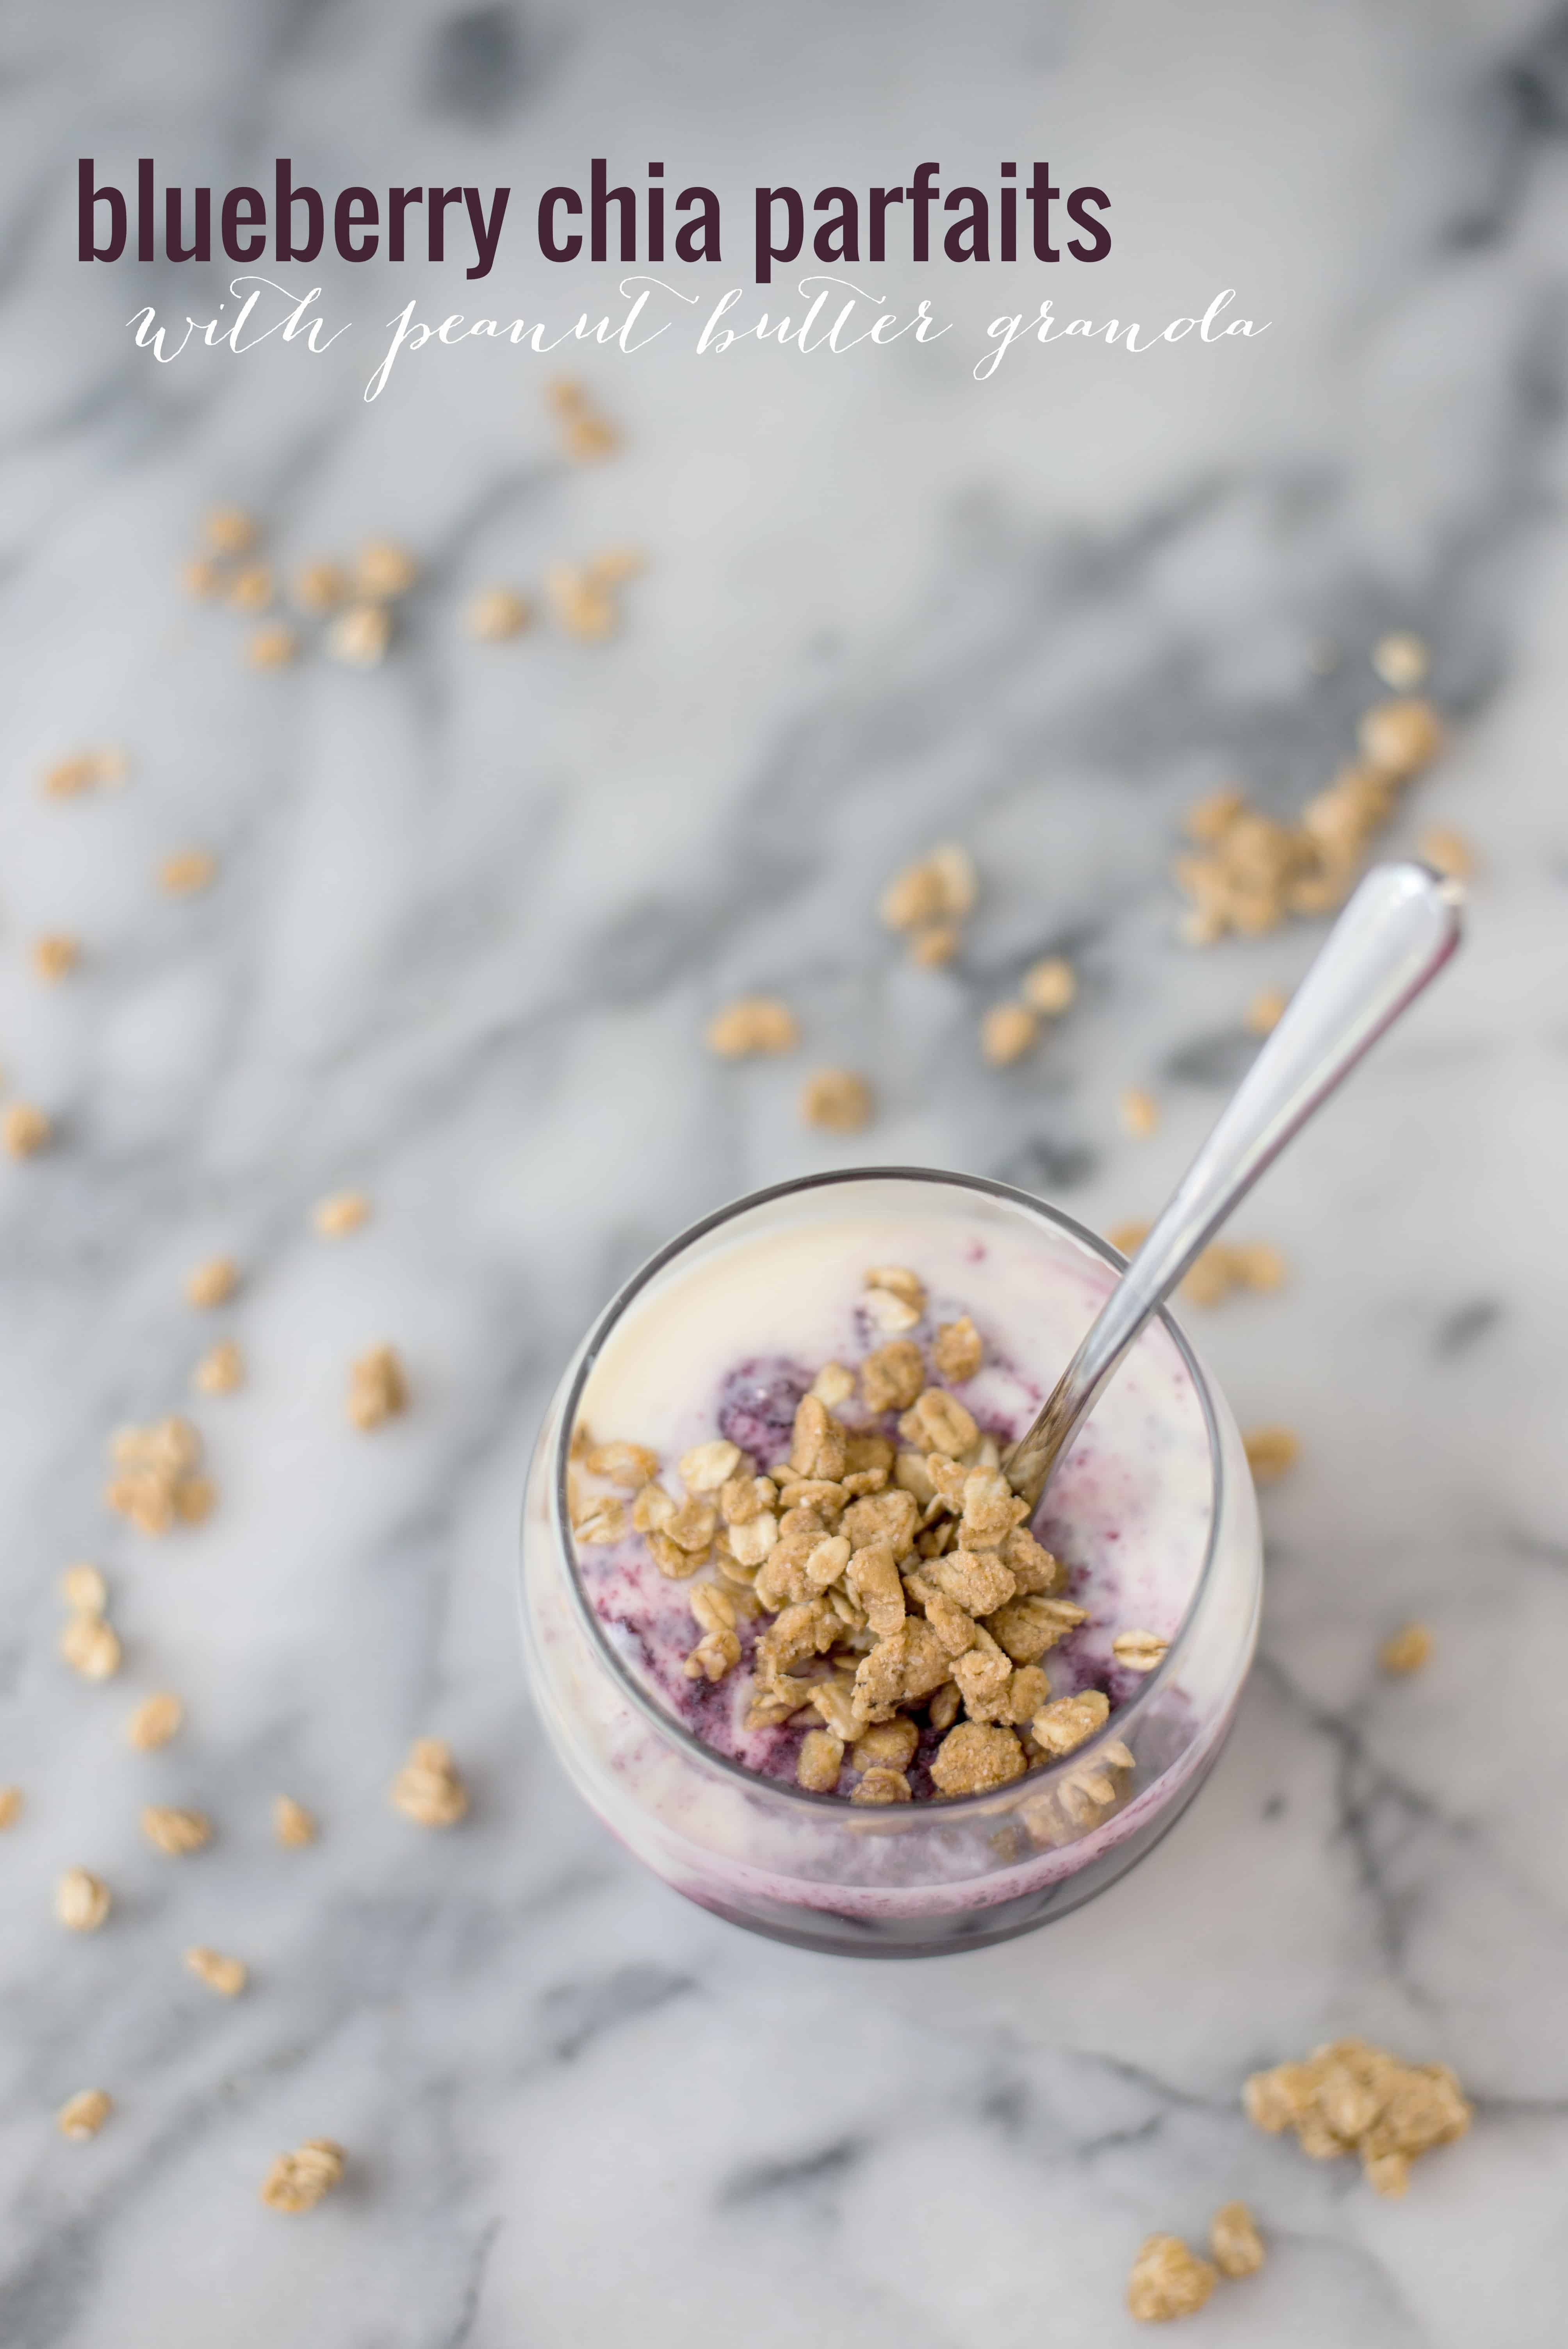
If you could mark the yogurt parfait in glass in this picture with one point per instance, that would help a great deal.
(793, 1637)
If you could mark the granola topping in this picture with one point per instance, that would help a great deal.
(855, 1577)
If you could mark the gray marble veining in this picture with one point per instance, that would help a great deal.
(471, 912)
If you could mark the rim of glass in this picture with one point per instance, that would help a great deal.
(649, 1705)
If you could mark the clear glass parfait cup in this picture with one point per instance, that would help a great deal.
(912, 1878)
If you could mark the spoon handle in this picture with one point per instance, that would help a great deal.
(1396, 932)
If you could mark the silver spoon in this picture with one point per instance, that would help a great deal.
(1396, 932)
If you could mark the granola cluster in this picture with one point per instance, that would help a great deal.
(156, 1484)
(879, 1580)
(1247, 872)
(1351, 2097)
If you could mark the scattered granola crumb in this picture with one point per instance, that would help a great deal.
(213, 1281)
(1167, 2280)
(1349, 2096)
(582, 602)
(202, 578)
(250, 589)
(360, 635)
(11, 1803)
(383, 571)
(1251, 872)
(1447, 851)
(377, 1388)
(1223, 1269)
(156, 1720)
(156, 1485)
(838, 1101)
(340, 1213)
(1140, 1650)
(428, 1789)
(226, 1976)
(1139, 1113)
(320, 586)
(220, 1371)
(934, 944)
(1235, 2240)
(1271, 1451)
(228, 532)
(1397, 738)
(496, 615)
(1127, 1237)
(55, 956)
(83, 771)
(752, 1023)
(1254, 1264)
(1401, 660)
(1409, 1650)
(82, 1901)
(1209, 819)
(83, 2114)
(25, 1130)
(84, 1590)
(90, 1645)
(272, 647)
(1049, 987)
(616, 564)
(174, 1832)
(586, 431)
(1265, 1011)
(194, 1497)
(942, 886)
(293, 1826)
(187, 873)
(297, 2181)
(1007, 1031)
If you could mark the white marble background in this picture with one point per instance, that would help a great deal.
(471, 912)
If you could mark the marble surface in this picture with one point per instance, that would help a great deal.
(471, 912)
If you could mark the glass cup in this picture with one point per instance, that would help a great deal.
(908, 1879)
